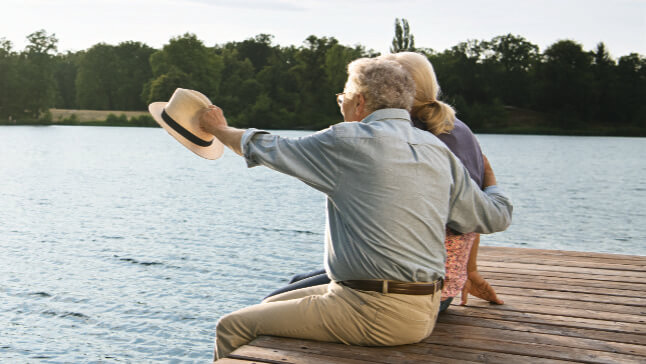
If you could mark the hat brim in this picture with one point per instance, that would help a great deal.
(213, 151)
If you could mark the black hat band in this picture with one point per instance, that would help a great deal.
(183, 132)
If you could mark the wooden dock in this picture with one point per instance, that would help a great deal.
(560, 306)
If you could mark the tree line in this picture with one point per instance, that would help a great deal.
(262, 84)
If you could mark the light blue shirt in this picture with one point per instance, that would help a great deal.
(391, 188)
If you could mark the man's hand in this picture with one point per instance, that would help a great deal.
(489, 177)
(478, 286)
(212, 120)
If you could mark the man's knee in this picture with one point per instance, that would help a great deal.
(227, 324)
(231, 333)
(238, 323)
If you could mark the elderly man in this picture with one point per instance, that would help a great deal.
(391, 191)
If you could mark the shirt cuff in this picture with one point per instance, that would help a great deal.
(492, 189)
(246, 138)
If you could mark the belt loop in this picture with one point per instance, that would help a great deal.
(384, 286)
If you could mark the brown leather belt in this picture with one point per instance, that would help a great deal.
(414, 288)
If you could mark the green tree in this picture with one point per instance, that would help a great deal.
(250, 80)
(238, 89)
(512, 59)
(35, 72)
(97, 83)
(467, 80)
(566, 84)
(112, 77)
(279, 101)
(8, 79)
(186, 60)
(605, 85)
(65, 70)
(258, 50)
(403, 40)
(461, 71)
(316, 95)
(163, 86)
(631, 90)
(41, 43)
(133, 71)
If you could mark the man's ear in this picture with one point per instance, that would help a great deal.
(361, 106)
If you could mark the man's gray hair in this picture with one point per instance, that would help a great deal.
(383, 83)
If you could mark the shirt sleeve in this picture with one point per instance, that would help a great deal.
(312, 159)
(474, 210)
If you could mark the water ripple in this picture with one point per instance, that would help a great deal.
(135, 261)
(41, 294)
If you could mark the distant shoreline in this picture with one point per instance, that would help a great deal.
(506, 131)
(91, 115)
(519, 122)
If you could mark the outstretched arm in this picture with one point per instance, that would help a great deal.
(313, 159)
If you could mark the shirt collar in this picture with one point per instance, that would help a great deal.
(384, 114)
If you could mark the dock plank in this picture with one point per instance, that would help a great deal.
(547, 328)
(639, 321)
(253, 352)
(566, 281)
(560, 306)
(504, 251)
(566, 321)
(617, 274)
(571, 286)
(340, 352)
(558, 352)
(238, 361)
(510, 333)
(511, 299)
(546, 273)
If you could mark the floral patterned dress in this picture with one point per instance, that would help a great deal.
(457, 257)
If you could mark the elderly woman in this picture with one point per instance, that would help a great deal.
(385, 228)
(428, 113)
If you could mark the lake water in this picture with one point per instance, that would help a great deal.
(118, 245)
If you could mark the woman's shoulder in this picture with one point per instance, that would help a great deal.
(461, 137)
(461, 129)
(464, 144)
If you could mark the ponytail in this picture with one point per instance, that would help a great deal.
(438, 116)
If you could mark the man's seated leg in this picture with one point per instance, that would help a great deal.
(334, 313)
(273, 318)
(297, 293)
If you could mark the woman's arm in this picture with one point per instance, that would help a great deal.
(475, 284)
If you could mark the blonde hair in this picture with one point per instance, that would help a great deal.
(383, 83)
(437, 115)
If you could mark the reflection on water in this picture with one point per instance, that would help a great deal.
(119, 245)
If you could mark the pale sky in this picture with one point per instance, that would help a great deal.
(620, 24)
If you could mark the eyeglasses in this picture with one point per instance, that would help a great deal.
(339, 98)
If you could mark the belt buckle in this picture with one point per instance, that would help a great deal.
(384, 286)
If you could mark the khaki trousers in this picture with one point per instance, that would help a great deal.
(332, 313)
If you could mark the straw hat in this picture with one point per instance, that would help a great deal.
(180, 116)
